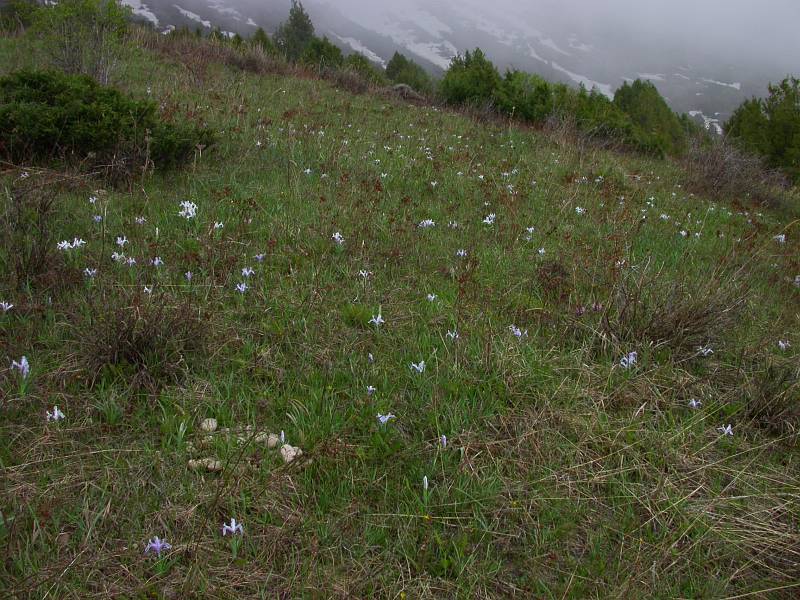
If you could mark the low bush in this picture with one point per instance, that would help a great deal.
(358, 63)
(83, 36)
(346, 79)
(254, 59)
(719, 169)
(648, 309)
(47, 116)
(770, 394)
(146, 340)
(16, 15)
(27, 240)
(527, 97)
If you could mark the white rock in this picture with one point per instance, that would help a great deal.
(209, 464)
(209, 425)
(273, 440)
(289, 453)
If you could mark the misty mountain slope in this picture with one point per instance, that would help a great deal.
(686, 53)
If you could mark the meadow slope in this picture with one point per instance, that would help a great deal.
(523, 268)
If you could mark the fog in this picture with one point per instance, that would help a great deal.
(704, 56)
(765, 32)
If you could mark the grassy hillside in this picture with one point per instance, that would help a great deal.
(545, 263)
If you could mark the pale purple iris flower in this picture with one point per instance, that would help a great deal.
(627, 361)
(55, 415)
(233, 528)
(22, 366)
(384, 419)
(157, 545)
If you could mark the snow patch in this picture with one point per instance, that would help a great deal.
(533, 54)
(140, 9)
(499, 34)
(251, 23)
(549, 43)
(736, 86)
(439, 54)
(361, 49)
(708, 122)
(194, 17)
(576, 44)
(651, 76)
(224, 10)
(590, 84)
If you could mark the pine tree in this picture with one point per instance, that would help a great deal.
(403, 70)
(648, 111)
(470, 79)
(396, 65)
(262, 40)
(294, 36)
(321, 53)
(771, 127)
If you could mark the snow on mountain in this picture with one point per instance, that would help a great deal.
(651, 76)
(140, 9)
(589, 84)
(736, 86)
(523, 35)
(357, 46)
(193, 16)
(710, 123)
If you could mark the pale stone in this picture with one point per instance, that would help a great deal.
(209, 425)
(273, 440)
(209, 464)
(289, 453)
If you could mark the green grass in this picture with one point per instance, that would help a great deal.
(564, 475)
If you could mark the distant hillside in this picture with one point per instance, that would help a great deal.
(693, 81)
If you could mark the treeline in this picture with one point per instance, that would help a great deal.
(637, 117)
(295, 41)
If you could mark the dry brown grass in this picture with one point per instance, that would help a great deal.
(648, 308)
(145, 338)
(717, 169)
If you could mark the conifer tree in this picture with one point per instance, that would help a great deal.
(294, 36)
(261, 39)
